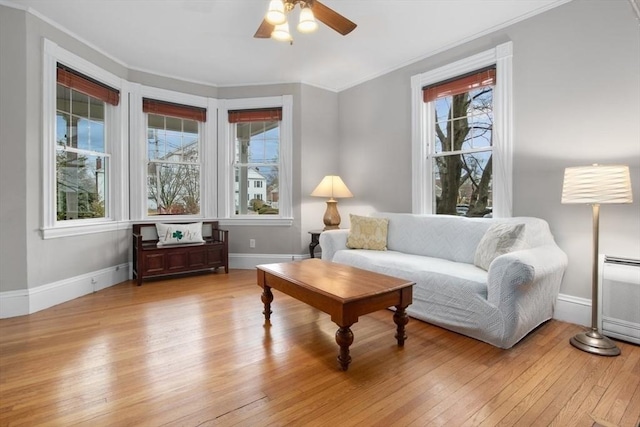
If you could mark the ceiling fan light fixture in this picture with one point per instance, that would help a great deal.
(281, 32)
(275, 14)
(307, 22)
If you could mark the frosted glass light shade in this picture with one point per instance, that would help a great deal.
(275, 14)
(307, 22)
(597, 184)
(281, 32)
(332, 186)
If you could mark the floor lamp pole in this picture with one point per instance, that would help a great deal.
(593, 341)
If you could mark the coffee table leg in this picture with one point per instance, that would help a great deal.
(267, 298)
(401, 319)
(344, 338)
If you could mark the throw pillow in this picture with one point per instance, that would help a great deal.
(368, 233)
(179, 234)
(499, 239)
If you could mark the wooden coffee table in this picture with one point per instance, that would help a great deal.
(342, 291)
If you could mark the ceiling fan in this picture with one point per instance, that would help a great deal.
(275, 24)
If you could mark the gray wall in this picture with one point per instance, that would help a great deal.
(576, 77)
(13, 191)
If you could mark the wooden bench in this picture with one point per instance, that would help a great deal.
(151, 260)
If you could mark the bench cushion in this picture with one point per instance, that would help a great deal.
(179, 234)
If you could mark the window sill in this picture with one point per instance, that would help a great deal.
(258, 220)
(82, 229)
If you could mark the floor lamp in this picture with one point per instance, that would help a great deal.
(596, 185)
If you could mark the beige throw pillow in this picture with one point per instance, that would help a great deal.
(179, 234)
(368, 233)
(499, 239)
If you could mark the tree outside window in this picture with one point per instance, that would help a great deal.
(173, 168)
(257, 160)
(81, 158)
(462, 149)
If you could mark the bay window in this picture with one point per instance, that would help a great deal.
(258, 159)
(82, 146)
(173, 158)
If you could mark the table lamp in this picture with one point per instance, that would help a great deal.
(333, 187)
(595, 185)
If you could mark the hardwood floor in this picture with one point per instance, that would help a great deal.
(195, 352)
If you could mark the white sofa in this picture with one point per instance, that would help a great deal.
(499, 306)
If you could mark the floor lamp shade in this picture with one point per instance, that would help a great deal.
(332, 187)
(595, 185)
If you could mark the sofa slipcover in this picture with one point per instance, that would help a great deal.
(499, 306)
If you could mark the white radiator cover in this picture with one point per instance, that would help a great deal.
(619, 298)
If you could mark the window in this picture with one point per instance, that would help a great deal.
(462, 137)
(257, 159)
(82, 158)
(259, 155)
(461, 144)
(173, 158)
(82, 146)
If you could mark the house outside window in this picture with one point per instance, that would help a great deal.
(259, 152)
(173, 158)
(462, 137)
(82, 158)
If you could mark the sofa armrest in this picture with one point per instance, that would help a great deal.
(331, 241)
(535, 272)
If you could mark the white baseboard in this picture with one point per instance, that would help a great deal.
(27, 301)
(573, 310)
(249, 261)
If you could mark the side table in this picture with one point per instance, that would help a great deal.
(315, 241)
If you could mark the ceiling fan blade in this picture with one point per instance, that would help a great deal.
(332, 19)
(264, 30)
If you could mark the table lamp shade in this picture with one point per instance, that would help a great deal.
(332, 186)
(597, 184)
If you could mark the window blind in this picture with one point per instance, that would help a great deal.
(164, 108)
(461, 84)
(77, 81)
(256, 115)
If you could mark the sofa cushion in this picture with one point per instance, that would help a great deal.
(455, 276)
(440, 236)
(367, 233)
(498, 240)
(179, 234)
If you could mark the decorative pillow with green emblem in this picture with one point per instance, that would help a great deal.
(179, 234)
(368, 233)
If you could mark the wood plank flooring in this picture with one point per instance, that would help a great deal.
(194, 351)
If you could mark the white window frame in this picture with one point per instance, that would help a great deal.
(226, 196)
(116, 200)
(207, 152)
(423, 126)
